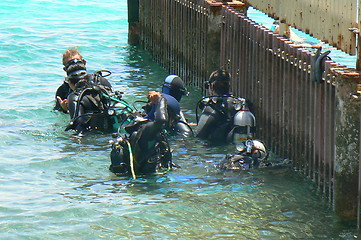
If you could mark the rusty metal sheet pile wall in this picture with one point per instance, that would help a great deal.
(295, 115)
(175, 33)
(328, 20)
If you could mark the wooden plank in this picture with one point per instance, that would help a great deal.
(214, 3)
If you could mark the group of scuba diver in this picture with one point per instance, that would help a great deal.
(139, 143)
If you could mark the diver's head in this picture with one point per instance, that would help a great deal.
(74, 66)
(73, 60)
(219, 83)
(174, 86)
(254, 147)
(70, 54)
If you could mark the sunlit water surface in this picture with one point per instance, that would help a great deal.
(57, 186)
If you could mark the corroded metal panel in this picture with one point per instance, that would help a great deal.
(175, 33)
(295, 115)
(328, 20)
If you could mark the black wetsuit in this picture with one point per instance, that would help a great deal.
(143, 140)
(64, 90)
(216, 120)
(146, 141)
(177, 124)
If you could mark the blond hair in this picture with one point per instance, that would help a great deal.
(71, 53)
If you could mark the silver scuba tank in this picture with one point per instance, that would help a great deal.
(244, 123)
(253, 147)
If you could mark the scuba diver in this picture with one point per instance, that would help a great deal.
(72, 57)
(227, 119)
(146, 149)
(91, 104)
(173, 85)
(172, 89)
(222, 113)
(250, 153)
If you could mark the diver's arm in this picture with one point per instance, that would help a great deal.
(161, 112)
(60, 97)
(207, 123)
(63, 104)
(72, 105)
(76, 111)
(160, 103)
(150, 130)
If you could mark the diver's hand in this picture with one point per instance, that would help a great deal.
(63, 103)
(154, 97)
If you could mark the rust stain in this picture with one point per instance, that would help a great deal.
(346, 73)
(359, 88)
(339, 40)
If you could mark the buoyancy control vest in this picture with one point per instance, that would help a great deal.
(217, 118)
(88, 108)
(146, 149)
(124, 160)
(96, 106)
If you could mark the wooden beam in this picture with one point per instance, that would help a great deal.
(235, 4)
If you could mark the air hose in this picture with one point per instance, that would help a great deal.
(131, 159)
(119, 101)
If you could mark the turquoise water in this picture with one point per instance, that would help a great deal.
(57, 186)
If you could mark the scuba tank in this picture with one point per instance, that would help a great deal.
(253, 147)
(123, 154)
(251, 153)
(244, 124)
